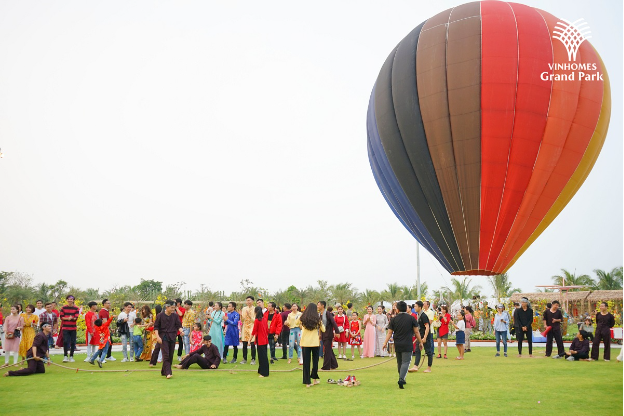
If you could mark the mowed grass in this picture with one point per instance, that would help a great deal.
(479, 384)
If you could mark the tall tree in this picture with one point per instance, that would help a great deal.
(461, 290)
(370, 297)
(411, 292)
(148, 289)
(609, 280)
(571, 279)
(502, 286)
(393, 291)
(342, 292)
(304, 295)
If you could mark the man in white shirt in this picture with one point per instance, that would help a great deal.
(431, 315)
(39, 309)
(123, 328)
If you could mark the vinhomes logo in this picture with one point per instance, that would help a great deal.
(572, 35)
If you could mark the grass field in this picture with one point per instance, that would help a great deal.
(480, 384)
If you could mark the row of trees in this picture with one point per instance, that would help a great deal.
(605, 280)
(16, 287)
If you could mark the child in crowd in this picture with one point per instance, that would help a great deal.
(196, 337)
(137, 338)
(355, 339)
(102, 333)
(460, 334)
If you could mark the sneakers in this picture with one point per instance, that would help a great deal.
(233, 361)
(505, 354)
(497, 354)
(253, 362)
(179, 358)
(570, 358)
(271, 361)
(244, 362)
(66, 359)
(555, 357)
(100, 363)
(111, 358)
(71, 360)
(125, 360)
(86, 360)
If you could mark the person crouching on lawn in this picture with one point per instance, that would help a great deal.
(210, 360)
(579, 350)
(36, 354)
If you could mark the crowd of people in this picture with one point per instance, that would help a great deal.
(206, 337)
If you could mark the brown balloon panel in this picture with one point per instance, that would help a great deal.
(483, 123)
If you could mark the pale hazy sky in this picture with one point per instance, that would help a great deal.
(208, 142)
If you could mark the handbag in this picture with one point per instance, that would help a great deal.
(436, 324)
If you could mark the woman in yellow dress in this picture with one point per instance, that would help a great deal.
(148, 321)
(28, 332)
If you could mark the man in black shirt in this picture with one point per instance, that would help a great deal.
(403, 326)
(166, 329)
(210, 360)
(36, 354)
(424, 327)
(554, 317)
(523, 319)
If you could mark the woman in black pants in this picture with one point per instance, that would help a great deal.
(310, 323)
(260, 335)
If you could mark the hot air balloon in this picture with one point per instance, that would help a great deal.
(483, 123)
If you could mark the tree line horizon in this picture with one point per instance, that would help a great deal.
(18, 287)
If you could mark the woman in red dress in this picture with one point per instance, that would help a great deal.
(355, 339)
(342, 337)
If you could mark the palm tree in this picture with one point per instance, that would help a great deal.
(571, 279)
(411, 292)
(304, 294)
(393, 291)
(370, 297)
(609, 280)
(342, 292)
(502, 286)
(461, 289)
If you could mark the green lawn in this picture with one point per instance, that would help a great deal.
(480, 384)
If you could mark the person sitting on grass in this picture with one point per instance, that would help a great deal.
(579, 350)
(36, 354)
(210, 360)
(102, 333)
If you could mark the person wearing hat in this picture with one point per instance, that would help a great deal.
(523, 318)
(36, 354)
(501, 326)
(69, 316)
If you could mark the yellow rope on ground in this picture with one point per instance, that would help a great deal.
(231, 370)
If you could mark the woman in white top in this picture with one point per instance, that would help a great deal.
(460, 334)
